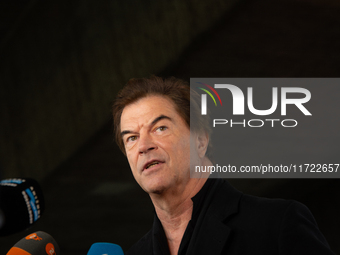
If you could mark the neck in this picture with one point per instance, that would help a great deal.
(175, 215)
(175, 205)
(174, 210)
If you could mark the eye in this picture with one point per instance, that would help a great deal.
(131, 138)
(161, 129)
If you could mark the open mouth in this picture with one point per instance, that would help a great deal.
(151, 164)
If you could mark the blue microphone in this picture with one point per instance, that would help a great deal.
(105, 249)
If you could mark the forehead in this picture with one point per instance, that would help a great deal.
(146, 109)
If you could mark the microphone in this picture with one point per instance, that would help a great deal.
(105, 249)
(38, 243)
(21, 204)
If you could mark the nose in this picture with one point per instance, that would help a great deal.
(146, 144)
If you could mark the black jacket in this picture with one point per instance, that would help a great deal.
(233, 223)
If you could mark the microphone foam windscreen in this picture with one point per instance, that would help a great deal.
(105, 249)
(21, 204)
(38, 243)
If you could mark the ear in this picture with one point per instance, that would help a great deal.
(202, 143)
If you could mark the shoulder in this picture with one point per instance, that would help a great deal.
(275, 223)
(273, 213)
(253, 204)
(143, 246)
(274, 206)
(260, 210)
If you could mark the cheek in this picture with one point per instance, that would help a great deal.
(133, 167)
(132, 163)
(194, 157)
(181, 150)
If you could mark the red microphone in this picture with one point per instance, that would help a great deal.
(38, 243)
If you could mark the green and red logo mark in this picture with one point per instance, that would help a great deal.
(204, 97)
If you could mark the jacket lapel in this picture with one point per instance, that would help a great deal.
(211, 233)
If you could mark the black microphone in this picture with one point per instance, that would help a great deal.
(38, 243)
(21, 204)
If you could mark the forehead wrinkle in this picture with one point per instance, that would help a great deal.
(146, 116)
(133, 126)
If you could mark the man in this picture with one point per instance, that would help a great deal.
(198, 215)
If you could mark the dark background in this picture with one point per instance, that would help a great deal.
(62, 64)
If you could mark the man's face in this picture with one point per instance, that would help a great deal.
(157, 144)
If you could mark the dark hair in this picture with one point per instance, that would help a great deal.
(177, 90)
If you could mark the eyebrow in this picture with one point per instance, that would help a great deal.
(161, 117)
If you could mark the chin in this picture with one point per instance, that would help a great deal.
(156, 191)
(155, 187)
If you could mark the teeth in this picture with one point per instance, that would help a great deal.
(152, 164)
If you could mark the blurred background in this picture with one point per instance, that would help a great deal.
(62, 63)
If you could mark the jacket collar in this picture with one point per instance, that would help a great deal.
(211, 233)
